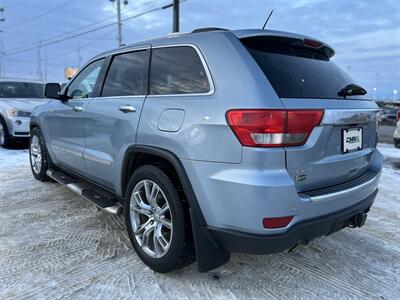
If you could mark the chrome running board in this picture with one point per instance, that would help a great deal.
(105, 202)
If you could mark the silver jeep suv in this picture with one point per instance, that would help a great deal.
(214, 142)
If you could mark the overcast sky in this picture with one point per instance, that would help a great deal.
(365, 34)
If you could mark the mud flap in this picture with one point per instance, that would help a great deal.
(209, 254)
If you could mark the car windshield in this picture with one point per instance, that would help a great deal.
(21, 90)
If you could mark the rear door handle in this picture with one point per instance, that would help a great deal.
(127, 108)
(78, 108)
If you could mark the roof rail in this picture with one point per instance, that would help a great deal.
(207, 29)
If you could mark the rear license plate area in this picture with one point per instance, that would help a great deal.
(352, 139)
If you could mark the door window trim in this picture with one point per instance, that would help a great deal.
(107, 63)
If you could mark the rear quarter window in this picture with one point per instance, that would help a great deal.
(177, 70)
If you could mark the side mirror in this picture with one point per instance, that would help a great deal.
(52, 90)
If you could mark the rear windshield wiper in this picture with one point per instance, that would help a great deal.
(352, 90)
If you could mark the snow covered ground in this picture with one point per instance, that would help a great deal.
(54, 244)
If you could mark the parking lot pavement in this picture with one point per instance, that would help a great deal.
(54, 244)
(385, 133)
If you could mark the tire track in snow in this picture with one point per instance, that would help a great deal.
(319, 274)
(61, 261)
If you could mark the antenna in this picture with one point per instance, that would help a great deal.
(266, 22)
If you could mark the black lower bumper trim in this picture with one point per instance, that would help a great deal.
(21, 133)
(235, 241)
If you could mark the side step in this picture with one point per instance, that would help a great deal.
(103, 200)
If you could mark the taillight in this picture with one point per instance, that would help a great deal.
(398, 115)
(279, 222)
(274, 127)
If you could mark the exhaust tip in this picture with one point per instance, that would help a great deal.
(357, 220)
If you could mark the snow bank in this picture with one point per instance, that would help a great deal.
(388, 150)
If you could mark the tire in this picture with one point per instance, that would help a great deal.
(38, 155)
(397, 143)
(173, 254)
(5, 139)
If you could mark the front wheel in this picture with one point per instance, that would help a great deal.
(155, 219)
(38, 155)
(5, 139)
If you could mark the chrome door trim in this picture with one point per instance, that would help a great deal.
(118, 97)
(63, 149)
(99, 160)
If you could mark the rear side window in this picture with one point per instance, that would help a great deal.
(297, 72)
(177, 70)
(127, 75)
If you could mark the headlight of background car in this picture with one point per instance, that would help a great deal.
(12, 113)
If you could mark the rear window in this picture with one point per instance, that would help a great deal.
(177, 70)
(297, 72)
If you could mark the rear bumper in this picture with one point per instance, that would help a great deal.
(237, 197)
(236, 241)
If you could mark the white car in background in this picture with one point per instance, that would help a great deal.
(18, 98)
(396, 134)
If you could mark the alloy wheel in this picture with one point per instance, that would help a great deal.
(36, 154)
(151, 218)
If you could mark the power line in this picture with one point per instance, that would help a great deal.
(58, 36)
(99, 39)
(81, 33)
(82, 47)
(39, 16)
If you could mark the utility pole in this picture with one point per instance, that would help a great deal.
(119, 22)
(1, 58)
(78, 55)
(39, 62)
(2, 19)
(176, 16)
(45, 67)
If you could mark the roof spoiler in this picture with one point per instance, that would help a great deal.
(208, 29)
(296, 41)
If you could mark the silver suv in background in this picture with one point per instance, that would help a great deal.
(214, 142)
(396, 134)
(18, 98)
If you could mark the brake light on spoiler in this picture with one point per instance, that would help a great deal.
(273, 127)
